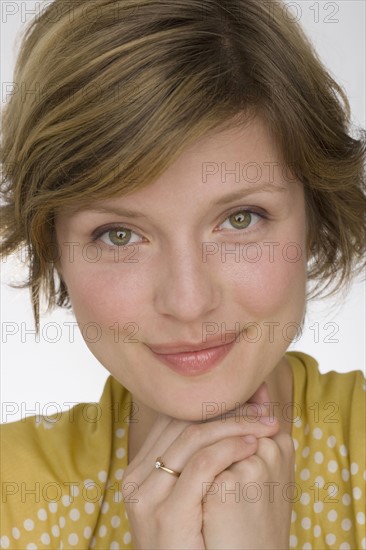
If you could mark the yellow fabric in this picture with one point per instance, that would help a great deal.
(61, 475)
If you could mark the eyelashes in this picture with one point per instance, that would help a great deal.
(123, 236)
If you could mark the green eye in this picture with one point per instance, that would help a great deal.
(119, 236)
(240, 220)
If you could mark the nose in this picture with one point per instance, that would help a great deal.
(188, 288)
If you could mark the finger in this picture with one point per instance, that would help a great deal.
(163, 430)
(197, 480)
(192, 439)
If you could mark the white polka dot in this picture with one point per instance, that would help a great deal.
(74, 490)
(66, 500)
(317, 433)
(306, 523)
(360, 518)
(363, 543)
(343, 450)
(319, 480)
(93, 542)
(298, 422)
(45, 538)
(4, 542)
(62, 522)
(16, 533)
(118, 497)
(127, 537)
(357, 493)
(102, 475)
(296, 444)
(28, 525)
(318, 507)
(317, 531)
(305, 474)
(293, 541)
(102, 531)
(318, 457)
(114, 546)
(42, 514)
(344, 546)
(354, 468)
(330, 538)
(364, 475)
(305, 498)
(119, 473)
(307, 546)
(105, 507)
(87, 532)
(73, 539)
(31, 546)
(332, 515)
(305, 452)
(53, 507)
(55, 530)
(74, 514)
(346, 499)
(88, 482)
(332, 489)
(120, 432)
(120, 453)
(331, 441)
(345, 474)
(332, 466)
(293, 516)
(115, 521)
(346, 524)
(89, 507)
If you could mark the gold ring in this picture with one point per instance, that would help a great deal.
(159, 464)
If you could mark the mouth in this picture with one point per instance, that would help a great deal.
(194, 363)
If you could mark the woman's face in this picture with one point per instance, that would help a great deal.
(196, 268)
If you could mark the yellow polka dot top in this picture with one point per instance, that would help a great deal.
(61, 476)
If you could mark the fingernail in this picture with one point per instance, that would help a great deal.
(268, 420)
(250, 439)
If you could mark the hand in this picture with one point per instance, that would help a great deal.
(246, 507)
(168, 514)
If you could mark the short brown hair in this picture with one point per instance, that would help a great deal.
(131, 84)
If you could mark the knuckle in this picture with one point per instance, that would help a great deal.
(287, 443)
(193, 432)
(270, 448)
(254, 468)
(201, 460)
(127, 482)
(226, 479)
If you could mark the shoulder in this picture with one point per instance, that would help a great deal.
(47, 463)
(331, 390)
(46, 441)
(329, 438)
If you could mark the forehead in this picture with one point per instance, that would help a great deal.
(244, 155)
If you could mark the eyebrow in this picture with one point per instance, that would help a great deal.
(128, 213)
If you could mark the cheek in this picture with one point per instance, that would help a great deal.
(274, 285)
(106, 294)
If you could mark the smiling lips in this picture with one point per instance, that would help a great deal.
(192, 359)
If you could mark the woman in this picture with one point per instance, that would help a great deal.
(186, 171)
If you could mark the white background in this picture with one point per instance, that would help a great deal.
(36, 374)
